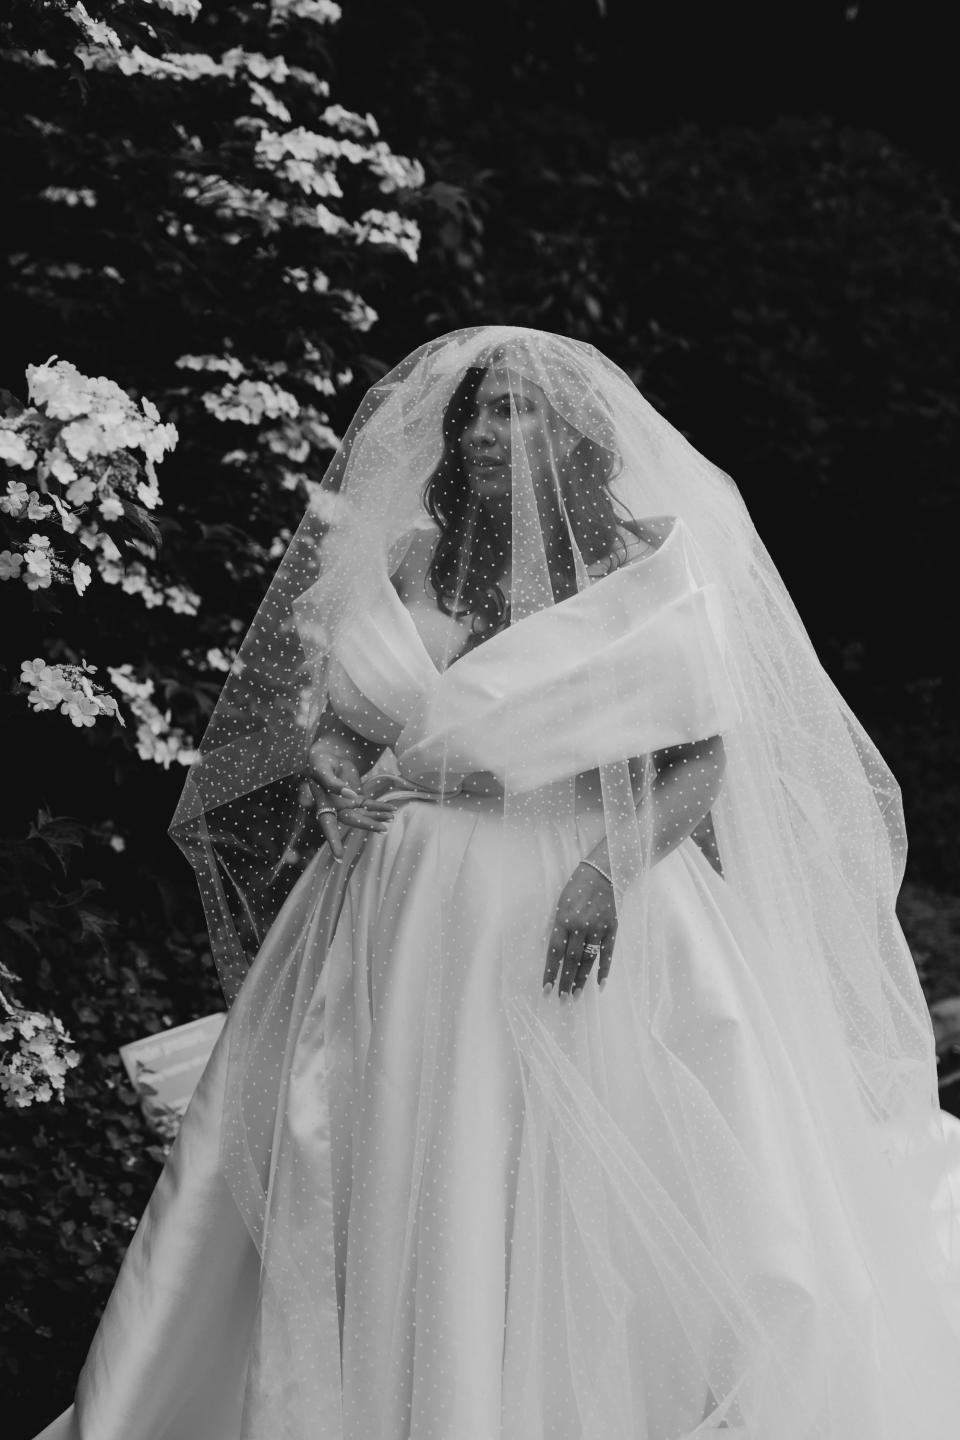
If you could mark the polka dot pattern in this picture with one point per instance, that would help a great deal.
(543, 628)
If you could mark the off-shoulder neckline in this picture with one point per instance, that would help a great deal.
(628, 565)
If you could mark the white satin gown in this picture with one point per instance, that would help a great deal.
(491, 1200)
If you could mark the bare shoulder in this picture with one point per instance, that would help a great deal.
(409, 574)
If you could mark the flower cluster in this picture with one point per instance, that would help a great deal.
(158, 739)
(35, 1054)
(386, 227)
(64, 195)
(307, 159)
(297, 428)
(322, 12)
(188, 8)
(78, 442)
(67, 688)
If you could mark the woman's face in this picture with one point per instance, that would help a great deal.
(486, 441)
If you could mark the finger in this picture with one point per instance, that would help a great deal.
(606, 956)
(555, 951)
(346, 809)
(325, 799)
(330, 831)
(357, 817)
(587, 962)
(325, 771)
(573, 953)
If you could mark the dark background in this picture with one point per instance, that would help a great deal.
(753, 209)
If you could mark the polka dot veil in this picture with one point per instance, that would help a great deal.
(533, 601)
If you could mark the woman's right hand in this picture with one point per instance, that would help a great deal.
(333, 780)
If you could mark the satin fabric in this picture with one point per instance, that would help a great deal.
(444, 1311)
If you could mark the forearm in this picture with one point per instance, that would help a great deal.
(687, 783)
(339, 740)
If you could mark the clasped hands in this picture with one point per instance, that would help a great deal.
(585, 925)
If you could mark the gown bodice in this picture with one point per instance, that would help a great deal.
(631, 664)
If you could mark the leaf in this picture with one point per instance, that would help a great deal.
(94, 924)
(24, 930)
(140, 519)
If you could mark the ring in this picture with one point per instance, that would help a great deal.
(592, 950)
(328, 810)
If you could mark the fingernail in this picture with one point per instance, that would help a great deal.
(601, 983)
(548, 987)
(564, 995)
(577, 992)
(337, 859)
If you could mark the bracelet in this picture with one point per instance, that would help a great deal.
(606, 877)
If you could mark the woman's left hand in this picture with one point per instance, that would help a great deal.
(583, 933)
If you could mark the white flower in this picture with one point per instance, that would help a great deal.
(82, 437)
(81, 575)
(36, 509)
(249, 401)
(359, 315)
(226, 364)
(181, 600)
(36, 581)
(270, 102)
(35, 1068)
(38, 562)
(110, 507)
(63, 195)
(10, 562)
(82, 709)
(16, 497)
(133, 580)
(81, 491)
(60, 468)
(348, 122)
(95, 30)
(147, 494)
(15, 450)
(33, 671)
(321, 12)
(386, 227)
(188, 8)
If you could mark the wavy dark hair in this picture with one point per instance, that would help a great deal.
(466, 561)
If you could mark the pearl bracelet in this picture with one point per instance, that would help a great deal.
(607, 877)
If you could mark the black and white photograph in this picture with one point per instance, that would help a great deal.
(480, 882)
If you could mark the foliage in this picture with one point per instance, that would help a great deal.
(190, 212)
(203, 192)
(76, 1177)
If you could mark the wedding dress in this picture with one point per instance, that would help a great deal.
(659, 1212)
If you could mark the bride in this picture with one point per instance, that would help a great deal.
(577, 1081)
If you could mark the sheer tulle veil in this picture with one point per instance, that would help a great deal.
(808, 829)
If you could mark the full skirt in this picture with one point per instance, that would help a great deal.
(492, 1215)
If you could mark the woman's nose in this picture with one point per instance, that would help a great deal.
(480, 432)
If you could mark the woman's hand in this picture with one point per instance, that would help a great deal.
(334, 781)
(583, 933)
